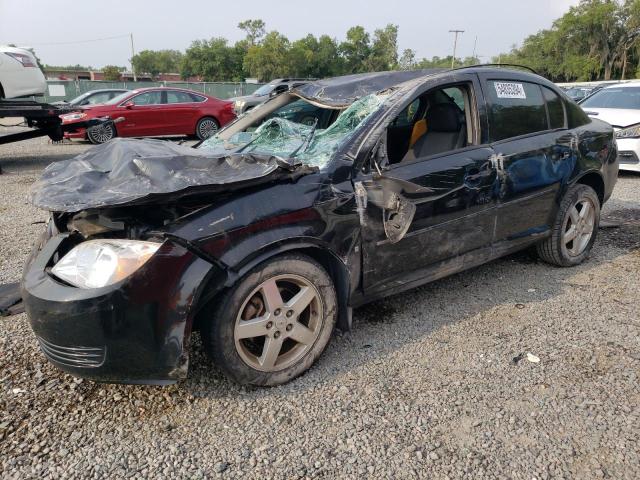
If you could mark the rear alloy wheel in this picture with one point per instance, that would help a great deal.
(575, 228)
(206, 127)
(101, 133)
(274, 323)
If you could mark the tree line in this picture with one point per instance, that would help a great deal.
(266, 55)
(595, 40)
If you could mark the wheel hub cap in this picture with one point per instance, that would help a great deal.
(280, 334)
(579, 227)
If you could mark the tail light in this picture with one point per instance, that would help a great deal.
(25, 60)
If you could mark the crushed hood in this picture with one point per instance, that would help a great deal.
(340, 92)
(129, 171)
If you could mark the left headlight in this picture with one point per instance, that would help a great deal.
(72, 117)
(98, 263)
(629, 132)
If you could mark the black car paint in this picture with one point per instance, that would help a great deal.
(469, 210)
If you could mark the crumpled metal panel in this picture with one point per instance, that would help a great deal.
(124, 171)
(342, 91)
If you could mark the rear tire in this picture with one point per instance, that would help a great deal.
(207, 127)
(274, 323)
(101, 133)
(574, 230)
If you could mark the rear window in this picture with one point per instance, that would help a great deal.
(515, 108)
(197, 98)
(175, 96)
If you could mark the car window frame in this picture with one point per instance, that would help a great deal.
(485, 84)
(565, 123)
(173, 90)
(96, 94)
(474, 113)
(163, 99)
(195, 96)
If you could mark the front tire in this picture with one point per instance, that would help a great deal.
(274, 323)
(101, 133)
(207, 127)
(575, 228)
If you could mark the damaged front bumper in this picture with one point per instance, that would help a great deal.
(134, 331)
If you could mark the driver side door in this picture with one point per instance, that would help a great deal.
(428, 217)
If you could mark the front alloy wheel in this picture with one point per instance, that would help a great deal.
(278, 323)
(274, 323)
(101, 133)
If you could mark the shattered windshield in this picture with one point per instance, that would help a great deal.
(299, 130)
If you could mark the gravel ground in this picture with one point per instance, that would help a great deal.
(434, 383)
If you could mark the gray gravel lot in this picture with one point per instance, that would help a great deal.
(434, 383)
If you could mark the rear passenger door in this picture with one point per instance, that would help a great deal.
(143, 115)
(535, 155)
(180, 113)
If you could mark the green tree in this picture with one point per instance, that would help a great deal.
(597, 39)
(355, 50)
(155, 62)
(384, 49)
(407, 60)
(112, 73)
(269, 59)
(213, 60)
(255, 31)
(312, 57)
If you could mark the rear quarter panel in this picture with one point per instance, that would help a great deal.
(597, 153)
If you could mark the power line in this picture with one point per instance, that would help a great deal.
(76, 41)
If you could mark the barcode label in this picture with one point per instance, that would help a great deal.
(510, 90)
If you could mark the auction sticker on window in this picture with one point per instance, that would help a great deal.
(510, 90)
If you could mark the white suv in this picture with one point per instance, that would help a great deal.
(20, 75)
(619, 105)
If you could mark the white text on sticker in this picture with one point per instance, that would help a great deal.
(510, 90)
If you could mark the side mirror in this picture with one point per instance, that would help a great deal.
(128, 105)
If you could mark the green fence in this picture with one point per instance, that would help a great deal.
(69, 89)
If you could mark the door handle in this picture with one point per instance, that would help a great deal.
(473, 177)
(476, 175)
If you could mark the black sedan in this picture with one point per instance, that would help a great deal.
(267, 235)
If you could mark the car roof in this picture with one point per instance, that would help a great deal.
(98, 90)
(149, 89)
(342, 91)
(623, 85)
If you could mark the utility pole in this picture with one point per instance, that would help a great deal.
(455, 45)
(133, 54)
(475, 45)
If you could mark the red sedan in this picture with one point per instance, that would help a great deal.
(153, 112)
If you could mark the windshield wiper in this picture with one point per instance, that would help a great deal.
(307, 141)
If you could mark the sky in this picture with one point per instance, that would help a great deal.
(49, 26)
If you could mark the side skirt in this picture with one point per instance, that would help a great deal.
(447, 267)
